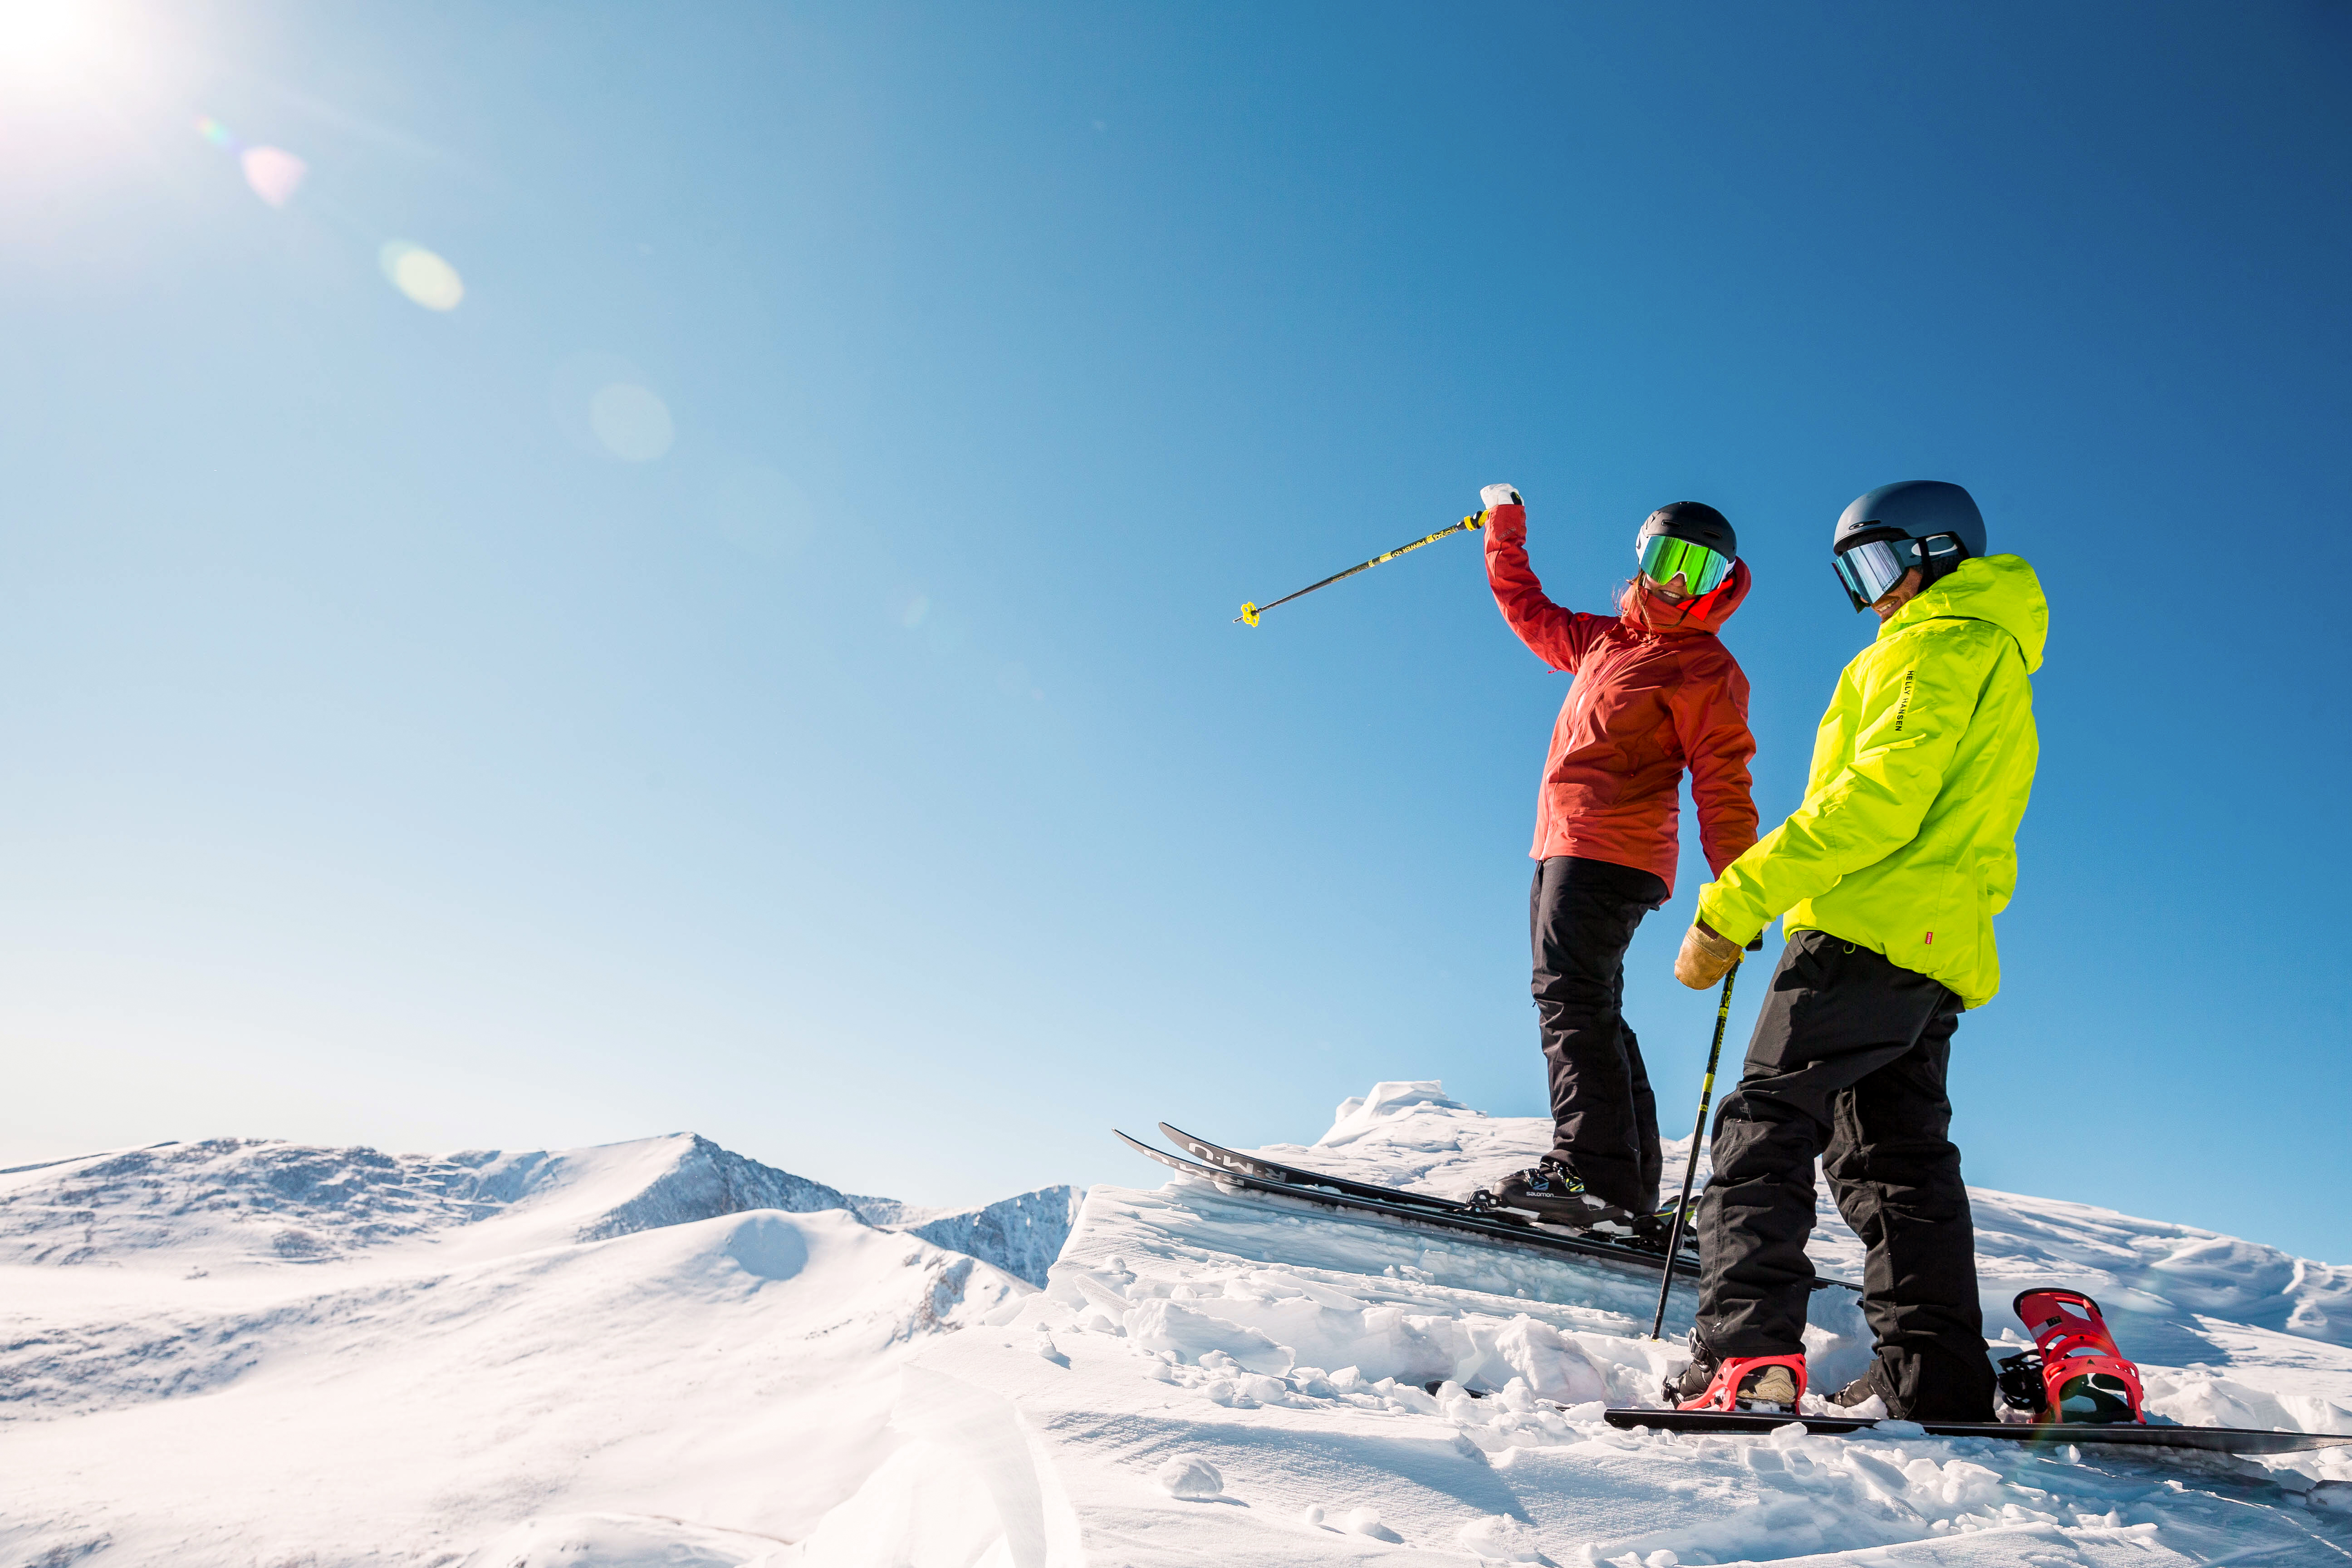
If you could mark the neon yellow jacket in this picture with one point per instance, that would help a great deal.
(1906, 841)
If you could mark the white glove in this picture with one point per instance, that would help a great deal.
(1499, 495)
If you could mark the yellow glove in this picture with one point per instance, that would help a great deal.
(1705, 959)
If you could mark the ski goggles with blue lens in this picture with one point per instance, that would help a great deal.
(1701, 569)
(1867, 570)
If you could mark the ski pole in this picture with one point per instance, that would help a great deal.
(1690, 1171)
(1250, 613)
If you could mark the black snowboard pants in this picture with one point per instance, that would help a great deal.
(1582, 915)
(1848, 1062)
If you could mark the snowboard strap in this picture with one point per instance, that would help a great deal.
(2084, 1376)
(1723, 1393)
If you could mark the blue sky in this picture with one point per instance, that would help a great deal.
(861, 767)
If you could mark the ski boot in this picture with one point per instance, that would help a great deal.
(2074, 1372)
(1552, 1192)
(1766, 1385)
(1652, 1230)
(1860, 1392)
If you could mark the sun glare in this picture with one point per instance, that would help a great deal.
(52, 44)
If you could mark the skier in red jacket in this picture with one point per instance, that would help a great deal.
(1655, 693)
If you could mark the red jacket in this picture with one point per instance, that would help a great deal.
(1655, 693)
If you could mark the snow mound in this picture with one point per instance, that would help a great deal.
(1382, 1110)
(1360, 1386)
(621, 1541)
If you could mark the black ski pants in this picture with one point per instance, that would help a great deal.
(1848, 1062)
(1582, 915)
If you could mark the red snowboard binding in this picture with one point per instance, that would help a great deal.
(1730, 1390)
(2076, 1373)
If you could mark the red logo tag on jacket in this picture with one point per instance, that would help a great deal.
(1931, 939)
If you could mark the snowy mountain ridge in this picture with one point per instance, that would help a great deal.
(255, 1201)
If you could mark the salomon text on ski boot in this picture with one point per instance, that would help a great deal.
(1551, 1191)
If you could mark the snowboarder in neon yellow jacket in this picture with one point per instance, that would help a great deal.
(1906, 841)
(1890, 874)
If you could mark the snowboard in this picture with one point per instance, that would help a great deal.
(2040, 1434)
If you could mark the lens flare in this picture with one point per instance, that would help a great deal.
(633, 424)
(421, 275)
(274, 174)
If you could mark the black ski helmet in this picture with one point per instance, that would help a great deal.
(1693, 522)
(1930, 511)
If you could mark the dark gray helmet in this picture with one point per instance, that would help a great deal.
(1694, 522)
(1916, 509)
(1925, 525)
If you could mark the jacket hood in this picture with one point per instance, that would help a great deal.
(1705, 613)
(2002, 589)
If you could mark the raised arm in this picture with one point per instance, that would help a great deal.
(1553, 635)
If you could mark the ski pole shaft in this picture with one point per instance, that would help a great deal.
(1690, 1170)
(1250, 613)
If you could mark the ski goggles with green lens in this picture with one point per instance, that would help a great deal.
(1701, 569)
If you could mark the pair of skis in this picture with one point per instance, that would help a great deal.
(1231, 1169)
(1253, 1172)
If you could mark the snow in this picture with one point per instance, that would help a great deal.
(243, 1200)
(663, 1352)
(243, 1351)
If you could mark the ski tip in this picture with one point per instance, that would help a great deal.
(1183, 1139)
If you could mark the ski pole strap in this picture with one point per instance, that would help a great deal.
(1250, 613)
